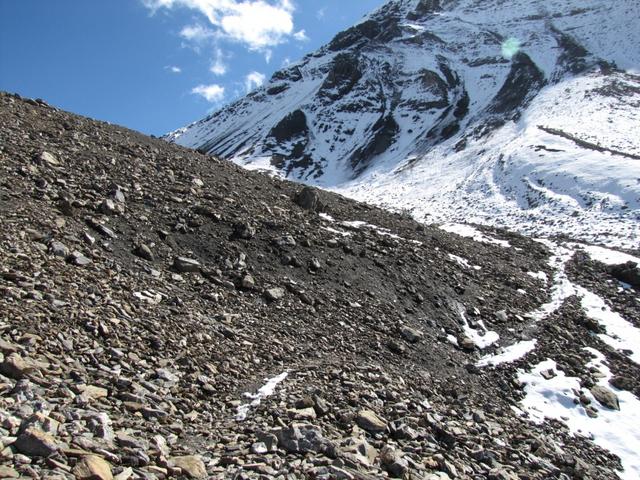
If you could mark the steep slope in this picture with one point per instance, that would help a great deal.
(512, 113)
(165, 313)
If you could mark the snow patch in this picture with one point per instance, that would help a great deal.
(473, 233)
(613, 430)
(337, 232)
(265, 391)
(508, 354)
(482, 337)
(562, 286)
(327, 217)
(539, 276)
(608, 256)
(357, 224)
(463, 262)
(621, 334)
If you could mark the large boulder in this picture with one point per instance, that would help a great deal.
(36, 443)
(191, 465)
(309, 199)
(627, 273)
(371, 422)
(92, 467)
(302, 438)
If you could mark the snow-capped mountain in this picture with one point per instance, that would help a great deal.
(517, 113)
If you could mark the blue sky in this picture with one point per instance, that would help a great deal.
(157, 65)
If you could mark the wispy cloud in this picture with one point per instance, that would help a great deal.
(301, 36)
(253, 80)
(173, 69)
(218, 67)
(212, 93)
(321, 13)
(258, 24)
(197, 33)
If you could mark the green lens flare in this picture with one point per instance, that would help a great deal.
(510, 47)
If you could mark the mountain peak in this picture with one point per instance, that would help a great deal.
(442, 100)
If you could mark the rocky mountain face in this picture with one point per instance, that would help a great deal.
(515, 113)
(168, 314)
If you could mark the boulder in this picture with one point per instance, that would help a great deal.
(191, 465)
(411, 335)
(392, 461)
(14, 366)
(303, 413)
(627, 272)
(143, 251)
(301, 438)
(186, 265)
(274, 294)
(244, 231)
(92, 467)
(369, 421)
(47, 158)
(606, 397)
(8, 472)
(36, 443)
(309, 199)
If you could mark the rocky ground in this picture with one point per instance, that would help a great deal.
(148, 293)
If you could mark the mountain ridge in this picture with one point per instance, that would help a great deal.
(389, 104)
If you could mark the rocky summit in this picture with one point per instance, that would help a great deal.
(164, 313)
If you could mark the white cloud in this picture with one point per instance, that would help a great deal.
(301, 36)
(258, 24)
(321, 13)
(212, 93)
(254, 80)
(196, 33)
(173, 69)
(218, 67)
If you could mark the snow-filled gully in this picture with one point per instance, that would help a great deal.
(621, 334)
(550, 393)
(551, 396)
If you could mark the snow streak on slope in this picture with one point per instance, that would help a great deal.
(417, 108)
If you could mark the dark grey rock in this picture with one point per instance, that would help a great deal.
(309, 199)
(186, 265)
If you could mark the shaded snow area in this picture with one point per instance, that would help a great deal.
(265, 391)
(550, 394)
(530, 176)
